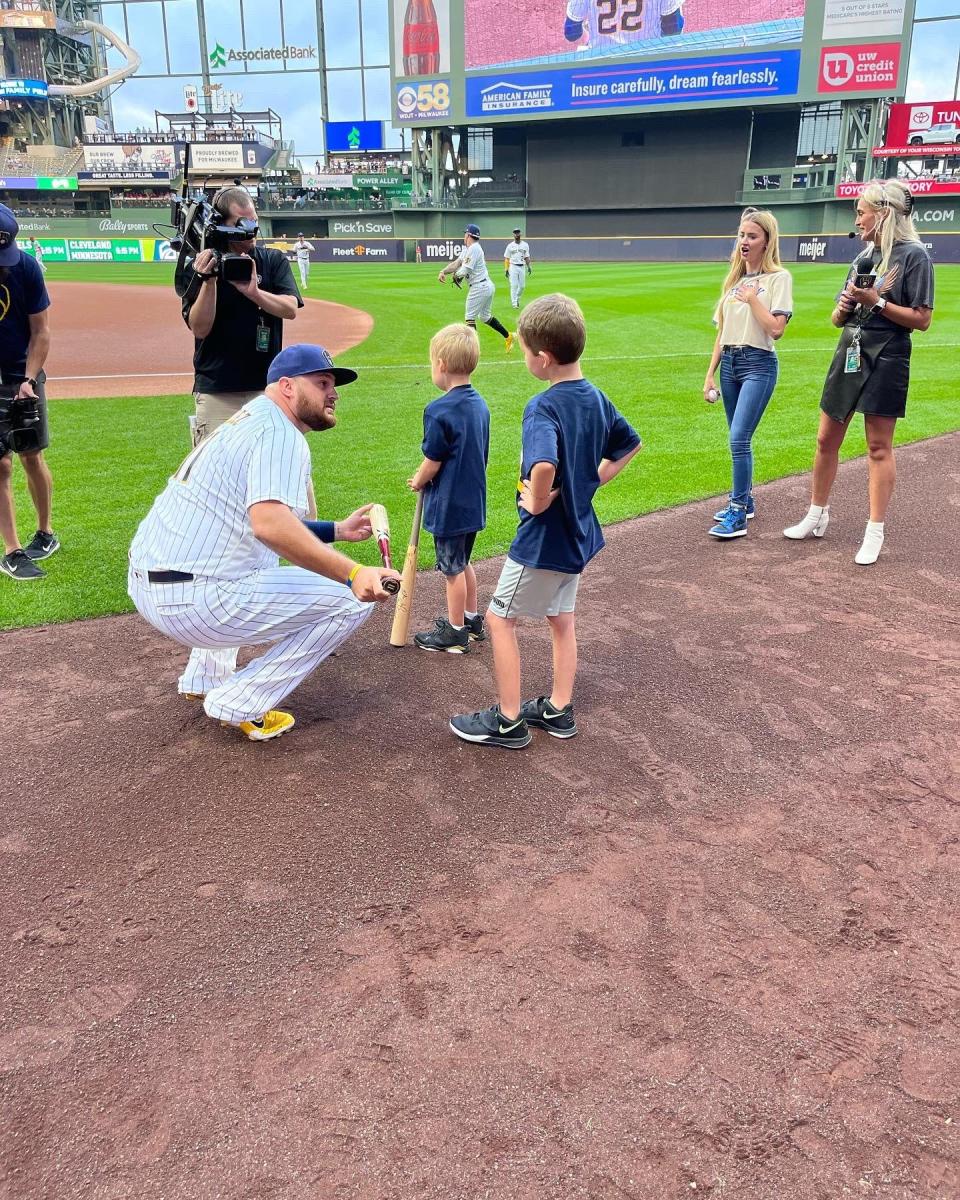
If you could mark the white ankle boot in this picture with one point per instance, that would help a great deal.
(815, 522)
(872, 543)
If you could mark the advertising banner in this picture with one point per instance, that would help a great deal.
(120, 160)
(918, 187)
(39, 183)
(126, 176)
(596, 56)
(19, 18)
(875, 66)
(26, 89)
(692, 81)
(347, 137)
(932, 125)
(862, 19)
(354, 251)
(421, 36)
(361, 226)
(216, 158)
(379, 180)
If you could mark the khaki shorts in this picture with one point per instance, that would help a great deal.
(213, 408)
(532, 592)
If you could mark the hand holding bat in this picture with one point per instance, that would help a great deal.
(381, 531)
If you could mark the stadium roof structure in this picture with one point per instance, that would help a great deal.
(264, 116)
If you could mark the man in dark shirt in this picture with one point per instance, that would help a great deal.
(238, 326)
(24, 345)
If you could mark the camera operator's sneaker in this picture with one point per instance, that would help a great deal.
(474, 626)
(541, 714)
(41, 545)
(491, 728)
(751, 511)
(19, 567)
(444, 637)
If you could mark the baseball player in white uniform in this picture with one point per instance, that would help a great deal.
(516, 264)
(303, 248)
(472, 266)
(612, 23)
(204, 564)
(38, 254)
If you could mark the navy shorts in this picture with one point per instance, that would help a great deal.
(453, 553)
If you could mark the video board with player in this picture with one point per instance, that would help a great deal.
(485, 61)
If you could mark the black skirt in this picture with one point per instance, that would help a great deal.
(879, 388)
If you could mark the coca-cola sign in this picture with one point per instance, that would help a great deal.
(423, 37)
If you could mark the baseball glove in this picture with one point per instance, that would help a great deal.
(457, 281)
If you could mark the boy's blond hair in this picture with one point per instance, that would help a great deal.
(554, 323)
(457, 347)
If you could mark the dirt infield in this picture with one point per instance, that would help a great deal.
(707, 949)
(150, 348)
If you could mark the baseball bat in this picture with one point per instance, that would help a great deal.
(381, 531)
(408, 581)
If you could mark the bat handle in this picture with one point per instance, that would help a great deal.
(391, 585)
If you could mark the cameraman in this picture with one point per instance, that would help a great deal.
(238, 326)
(24, 345)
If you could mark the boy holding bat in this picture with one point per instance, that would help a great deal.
(453, 477)
(574, 441)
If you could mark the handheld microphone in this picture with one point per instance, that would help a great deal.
(852, 233)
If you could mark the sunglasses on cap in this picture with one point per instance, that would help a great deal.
(6, 239)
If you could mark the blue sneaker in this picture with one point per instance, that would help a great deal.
(733, 523)
(751, 511)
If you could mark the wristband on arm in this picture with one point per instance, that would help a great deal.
(326, 531)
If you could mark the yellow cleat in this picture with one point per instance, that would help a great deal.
(270, 725)
(509, 342)
(192, 695)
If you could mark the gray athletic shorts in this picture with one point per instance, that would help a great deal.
(532, 592)
(480, 301)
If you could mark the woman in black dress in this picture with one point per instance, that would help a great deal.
(870, 371)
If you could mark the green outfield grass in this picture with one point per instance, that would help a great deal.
(649, 338)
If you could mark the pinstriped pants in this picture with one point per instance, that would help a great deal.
(305, 616)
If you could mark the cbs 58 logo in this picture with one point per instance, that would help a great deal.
(424, 99)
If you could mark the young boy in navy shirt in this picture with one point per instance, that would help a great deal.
(574, 441)
(453, 475)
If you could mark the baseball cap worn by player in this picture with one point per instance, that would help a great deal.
(9, 250)
(473, 230)
(305, 360)
(518, 230)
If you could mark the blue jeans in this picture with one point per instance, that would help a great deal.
(747, 379)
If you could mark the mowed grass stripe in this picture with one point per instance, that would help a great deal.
(649, 337)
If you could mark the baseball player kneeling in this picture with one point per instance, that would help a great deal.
(204, 564)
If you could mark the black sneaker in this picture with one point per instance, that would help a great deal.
(540, 713)
(18, 566)
(42, 545)
(443, 636)
(474, 626)
(491, 728)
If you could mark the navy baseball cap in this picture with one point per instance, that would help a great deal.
(473, 230)
(304, 360)
(9, 250)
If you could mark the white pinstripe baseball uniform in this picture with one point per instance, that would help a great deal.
(303, 249)
(612, 23)
(518, 255)
(473, 268)
(236, 593)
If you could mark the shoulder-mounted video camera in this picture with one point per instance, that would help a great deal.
(19, 422)
(201, 222)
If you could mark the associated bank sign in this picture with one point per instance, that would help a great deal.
(221, 56)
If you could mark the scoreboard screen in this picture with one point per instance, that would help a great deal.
(484, 61)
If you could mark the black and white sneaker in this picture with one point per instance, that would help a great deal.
(474, 626)
(41, 545)
(19, 567)
(444, 637)
(558, 722)
(491, 728)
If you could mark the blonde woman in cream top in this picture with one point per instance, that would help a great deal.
(755, 305)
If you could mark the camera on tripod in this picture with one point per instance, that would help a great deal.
(19, 422)
(200, 225)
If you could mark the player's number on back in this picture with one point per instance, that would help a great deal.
(619, 16)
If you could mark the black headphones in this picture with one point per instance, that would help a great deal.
(217, 201)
